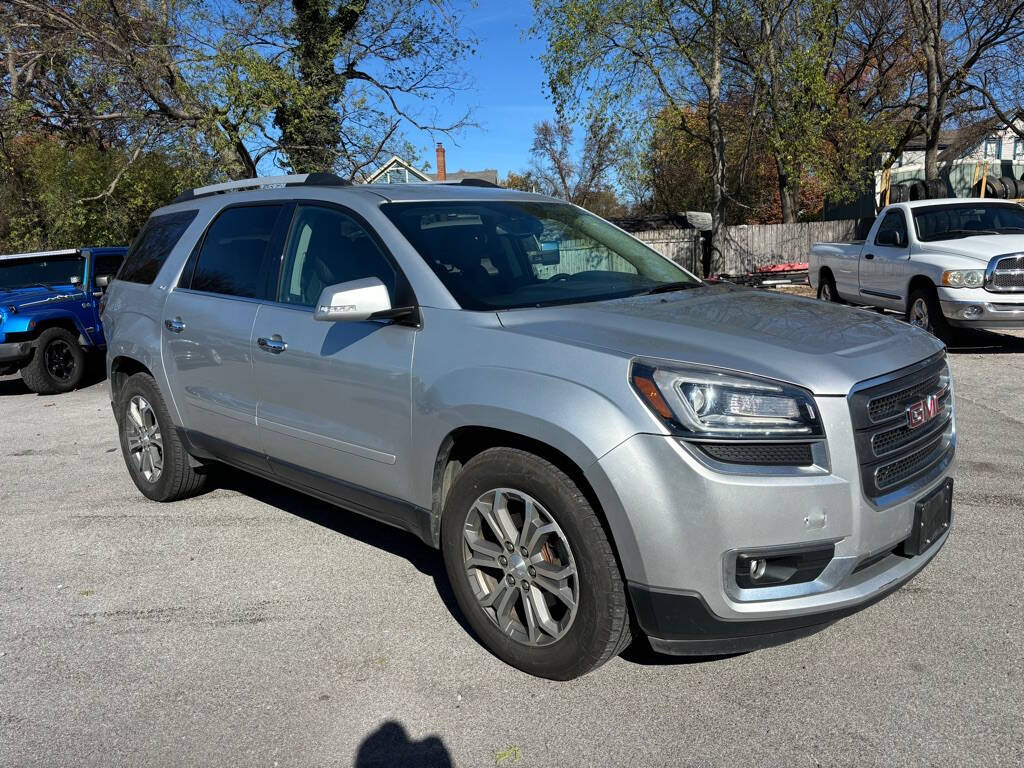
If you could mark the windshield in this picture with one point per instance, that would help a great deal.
(51, 270)
(949, 222)
(503, 255)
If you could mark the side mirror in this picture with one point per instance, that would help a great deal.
(891, 237)
(353, 301)
(102, 281)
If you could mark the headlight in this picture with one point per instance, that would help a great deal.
(707, 403)
(963, 278)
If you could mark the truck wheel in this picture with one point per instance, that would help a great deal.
(57, 364)
(156, 459)
(827, 289)
(924, 312)
(531, 565)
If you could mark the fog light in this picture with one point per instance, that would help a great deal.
(771, 569)
(758, 565)
(973, 311)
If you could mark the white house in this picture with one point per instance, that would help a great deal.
(399, 171)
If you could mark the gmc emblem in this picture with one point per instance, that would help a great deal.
(923, 411)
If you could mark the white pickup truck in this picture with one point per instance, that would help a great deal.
(943, 263)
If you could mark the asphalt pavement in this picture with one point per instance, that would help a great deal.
(253, 626)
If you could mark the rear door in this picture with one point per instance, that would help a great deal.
(208, 321)
(883, 264)
(334, 398)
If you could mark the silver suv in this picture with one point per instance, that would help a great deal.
(599, 443)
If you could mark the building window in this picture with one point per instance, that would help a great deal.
(1018, 149)
(993, 149)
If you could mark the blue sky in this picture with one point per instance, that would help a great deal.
(508, 94)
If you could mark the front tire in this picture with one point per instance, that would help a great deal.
(57, 364)
(924, 312)
(156, 459)
(531, 566)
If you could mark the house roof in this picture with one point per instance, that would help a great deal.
(488, 174)
(392, 164)
(396, 162)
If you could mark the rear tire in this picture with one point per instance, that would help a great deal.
(57, 364)
(486, 513)
(827, 289)
(924, 312)
(156, 459)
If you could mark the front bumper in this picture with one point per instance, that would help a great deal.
(981, 309)
(678, 524)
(15, 352)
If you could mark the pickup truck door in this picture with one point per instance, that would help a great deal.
(335, 402)
(883, 262)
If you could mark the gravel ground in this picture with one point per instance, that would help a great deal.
(254, 626)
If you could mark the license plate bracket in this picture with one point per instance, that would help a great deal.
(932, 516)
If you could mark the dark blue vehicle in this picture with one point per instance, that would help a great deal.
(50, 313)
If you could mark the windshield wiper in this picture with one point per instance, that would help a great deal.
(962, 233)
(680, 285)
(1010, 229)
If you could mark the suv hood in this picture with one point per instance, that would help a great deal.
(980, 248)
(826, 348)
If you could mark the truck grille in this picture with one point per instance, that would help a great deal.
(1007, 276)
(903, 427)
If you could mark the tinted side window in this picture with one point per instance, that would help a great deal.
(326, 247)
(894, 221)
(235, 259)
(153, 245)
(107, 264)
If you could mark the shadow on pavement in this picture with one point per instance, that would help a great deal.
(984, 343)
(390, 746)
(12, 385)
(397, 542)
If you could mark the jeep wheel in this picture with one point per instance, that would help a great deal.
(156, 459)
(57, 364)
(531, 565)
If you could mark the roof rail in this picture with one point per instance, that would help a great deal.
(265, 182)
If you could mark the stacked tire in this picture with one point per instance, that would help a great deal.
(999, 187)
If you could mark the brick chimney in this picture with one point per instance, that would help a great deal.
(441, 171)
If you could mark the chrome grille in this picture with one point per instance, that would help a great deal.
(1005, 274)
(893, 453)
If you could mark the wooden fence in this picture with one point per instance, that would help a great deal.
(749, 247)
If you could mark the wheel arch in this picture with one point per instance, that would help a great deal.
(463, 443)
(918, 282)
(121, 368)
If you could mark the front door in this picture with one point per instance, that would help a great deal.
(208, 321)
(883, 262)
(334, 398)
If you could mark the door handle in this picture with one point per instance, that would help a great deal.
(869, 255)
(274, 344)
(177, 325)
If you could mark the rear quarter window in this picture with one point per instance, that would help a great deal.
(153, 245)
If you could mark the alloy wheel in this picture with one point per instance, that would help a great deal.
(919, 314)
(520, 567)
(145, 443)
(826, 292)
(59, 359)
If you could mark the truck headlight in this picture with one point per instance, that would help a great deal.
(708, 403)
(963, 278)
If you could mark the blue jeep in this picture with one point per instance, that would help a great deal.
(50, 313)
